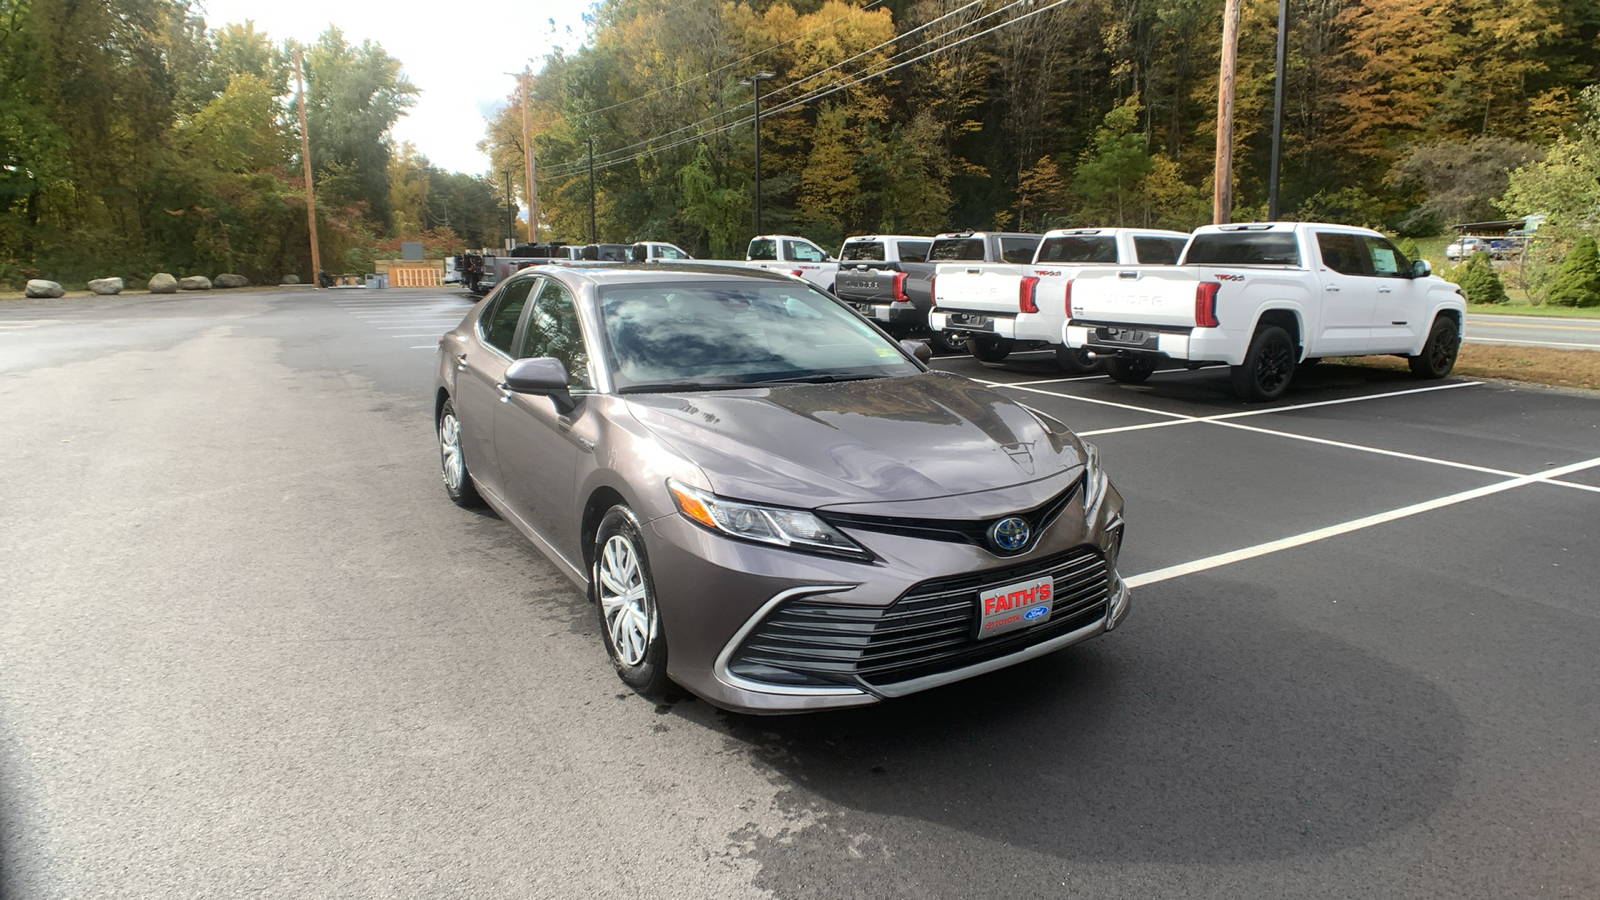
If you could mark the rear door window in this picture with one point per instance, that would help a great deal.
(1018, 248)
(1343, 253)
(912, 251)
(498, 324)
(1230, 248)
(764, 249)
(1078, 248)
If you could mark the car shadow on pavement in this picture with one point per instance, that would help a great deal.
(1208, 729)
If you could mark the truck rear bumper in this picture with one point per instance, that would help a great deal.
(1197, 345)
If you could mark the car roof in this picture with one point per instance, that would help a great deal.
(673, 273)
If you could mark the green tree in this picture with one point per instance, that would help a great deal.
(1041, 194)
(1108, 178)
(1478, 280)
(354, 95)
(713, 204)
(1578, 281)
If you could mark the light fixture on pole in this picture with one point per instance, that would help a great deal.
(755, 82)
(592, 238)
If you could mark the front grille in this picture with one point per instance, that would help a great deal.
(974, 532)
(930, 629)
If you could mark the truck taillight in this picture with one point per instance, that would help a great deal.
(931, 295)
(900, 287)
(1027, 292)
(1205, 304)
(798, 273)
(1066, 299)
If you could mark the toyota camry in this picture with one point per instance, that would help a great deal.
(770, 502)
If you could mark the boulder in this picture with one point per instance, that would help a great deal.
(106, 285)
(231, 281)
(163, 283)
(290, 278)
(194, 283)
(38, 287)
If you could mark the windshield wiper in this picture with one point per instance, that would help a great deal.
(816, 378)
(674, 387)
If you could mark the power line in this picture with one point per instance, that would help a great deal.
(619, 154)
(569, 170)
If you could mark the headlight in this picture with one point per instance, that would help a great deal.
(793, 528)
(1094, 478)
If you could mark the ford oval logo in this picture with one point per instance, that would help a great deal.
(1036, 612)
(1011, 534)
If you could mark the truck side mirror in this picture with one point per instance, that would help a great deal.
(1421, 269)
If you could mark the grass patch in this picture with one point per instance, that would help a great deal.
(1526, 309)
(1536, 365)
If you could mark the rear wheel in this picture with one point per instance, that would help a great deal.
(989, 349)
(1078, 361)
(625, 594)
(945, 342)
(1130, 369)
(457, 480)
(1268, 366)
(1438, 356)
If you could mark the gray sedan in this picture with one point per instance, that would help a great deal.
(770, 502)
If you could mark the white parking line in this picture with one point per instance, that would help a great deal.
(1097, 402)
(1365, 449)
(1331, 531)
(402, 327)
(426, 347)
(1473, 340)
(424, 334)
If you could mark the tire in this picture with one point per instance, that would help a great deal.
(1130, 369)
(625, 599)
(989, 349)
(1438, 356)
(944, 343)
(1268, 366)
(453, 463)
(1077, 361)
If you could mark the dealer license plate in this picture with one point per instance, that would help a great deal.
(1014, 607)
(864, 308)
(972, 323)
(1124, 335)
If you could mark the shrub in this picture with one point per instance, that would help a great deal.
(1409, 249)
(1478, 280)
(1578, 281)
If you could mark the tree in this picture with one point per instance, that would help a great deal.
(1478, 280)
(1459, 181)
(1578, 281)
(713, 204)
(1564, 186)
(1041, 194)
(1108, 178)
(354, 95)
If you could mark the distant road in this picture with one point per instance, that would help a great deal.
(1534, 331)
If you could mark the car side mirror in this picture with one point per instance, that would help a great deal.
(918, 349)
(546, 376)
(1421, 269)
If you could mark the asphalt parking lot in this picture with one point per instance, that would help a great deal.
(247, 646)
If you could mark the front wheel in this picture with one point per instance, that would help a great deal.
(1268, 366)
(1078, 361)
(1438, 356)
(625, 593)
(989, 349)
(1130, 369)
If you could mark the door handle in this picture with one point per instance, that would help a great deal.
(505, 392)
(1385, 290)
(461, 361)
(1333, 287)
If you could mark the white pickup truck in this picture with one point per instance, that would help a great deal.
(997, 307)
(1264, 297)
(794, 255)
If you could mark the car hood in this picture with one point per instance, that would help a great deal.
(890, 439)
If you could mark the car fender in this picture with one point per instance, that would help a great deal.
(1451, 305)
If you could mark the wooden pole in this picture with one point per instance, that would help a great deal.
(1222, 199)
(1277, 111)
(527, 155)
(305, 157)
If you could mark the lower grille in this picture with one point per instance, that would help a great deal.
(930, 629)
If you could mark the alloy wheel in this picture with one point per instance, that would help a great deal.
(625, 601)
(450, 452)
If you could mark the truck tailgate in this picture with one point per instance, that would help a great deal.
(865, 285)
(979, 287)
(1136, 295)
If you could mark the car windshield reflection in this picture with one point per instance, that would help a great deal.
(717, 336)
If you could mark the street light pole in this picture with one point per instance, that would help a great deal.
(1277, 111)
(511, 214)
(592, 238)
(755, 82)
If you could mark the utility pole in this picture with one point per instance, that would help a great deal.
(527, 156)
(305, 157)
(755, 82)
(511, 214)
(1277, 111)
(1222, 199)
(592, 238)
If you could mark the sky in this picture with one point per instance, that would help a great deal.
(457, 56)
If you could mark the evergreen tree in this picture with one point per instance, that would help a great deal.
(1578, 281)
(1478, 280)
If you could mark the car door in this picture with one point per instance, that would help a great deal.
(538, 446)
(481, 368)
(1344, 324)
(1400, 316)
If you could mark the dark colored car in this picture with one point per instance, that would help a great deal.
(771, 502)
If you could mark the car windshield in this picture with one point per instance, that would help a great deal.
(717, 335)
